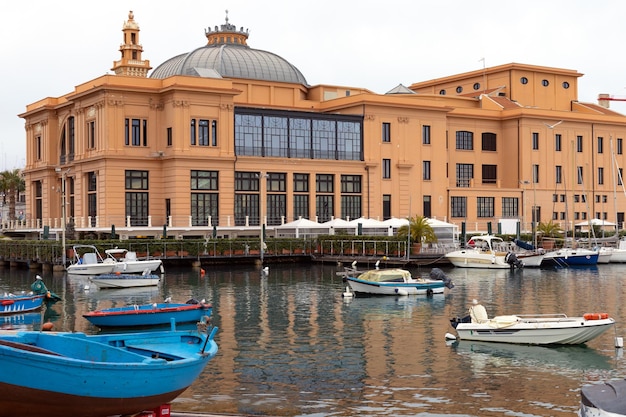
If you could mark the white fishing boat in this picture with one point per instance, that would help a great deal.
(607, 399)
(119, 280)
(86, 260)
(536, 329)
(396, 282)
(483, 252)
(127, 262)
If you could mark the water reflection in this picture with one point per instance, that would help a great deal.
(291, 345)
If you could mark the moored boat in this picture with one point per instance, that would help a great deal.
(87, 260)
(24, 302)
(571, 257)
(607, 399)
(397, 282)
(60, 374)
(530, 329)
(119, 280)
(156, 314)
(126, 261)
(483, 252)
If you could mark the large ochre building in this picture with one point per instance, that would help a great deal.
(227, 136)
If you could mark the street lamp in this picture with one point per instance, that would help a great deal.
(63, 211)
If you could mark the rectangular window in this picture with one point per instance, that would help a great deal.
(386, 206)
(489, 141)
(600, 175)
(203, 207)
(276, 208)
(169, 136)
(386, 132)
(92, 197)
(535, 140)
(136, 180)
(192, 132)
(510, 207)
(557, 142)
(558, 175)
(619, 146)
(300, 183)
(351, 184)
(91, 134)
(324, 183)
(619, 176)
(204, 180)
(203, 132)
(464, 175)
(426, 135)
(579, 143)
(301, 196)
(426, 170)
(458, 206)
(350, 202)
(427, 206)
(38, 148)
(136, 202)
(324, 199)
(247, 198)
(579, 174)
(136, 133)
(536, 174)
(485, 206)
(214, 133)
(490, 174)
(386, 168)
(464, 140)
(600, 144)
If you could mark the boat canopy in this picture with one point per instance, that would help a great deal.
(386, 275)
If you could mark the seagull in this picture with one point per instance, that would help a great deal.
(554, 125)
(168, 300)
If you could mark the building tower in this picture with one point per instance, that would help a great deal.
(131, 63)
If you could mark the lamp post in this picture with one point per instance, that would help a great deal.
(262, 203)
(63, 214)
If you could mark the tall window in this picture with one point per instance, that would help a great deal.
(386, 133)
(600, 144)
(426, 135)
(619, 146)
(536, 174)
(427, 206)
(619, 176)
(169, 136)
(91, 134)
(557, 142)
(510, 207)
(203, 132)
(579, 143)
(488, 141)
(136, 132)
(464, 174)
(426, 170)
(324, 198)
(558, 175)
(247, 198)
(464, 140)
(535, 140)
(458, 206)
(38, 187)
(300, 196)
(204, 197)
(386, 168)
(137, 197)
(276, 198)
(490, 174)
(600, 175)
(484, 207)
(350, 196)
(38, 148)
(579, 172)
(92, 197)
(386, 206)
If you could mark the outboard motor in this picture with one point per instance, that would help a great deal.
(438, 274)
(512, 260)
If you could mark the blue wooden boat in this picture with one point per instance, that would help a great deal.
(25, 302)
(68, 374)
(156, 314)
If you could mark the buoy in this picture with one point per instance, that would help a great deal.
(450, 336)
(202, 272)
(348, 293)
(595, 316)
(46, 327)
(266, 270)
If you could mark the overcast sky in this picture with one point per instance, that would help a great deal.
(50, 47)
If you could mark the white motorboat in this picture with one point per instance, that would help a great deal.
(88, 261)
(603, 400)
(618, 254)
(119, 280)
(484, 253)
(396, 282)
(127, 262)
(539, 329)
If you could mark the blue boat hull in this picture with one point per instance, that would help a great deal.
(20, 304)
(582, 260)
(148, 315)
(62, 374)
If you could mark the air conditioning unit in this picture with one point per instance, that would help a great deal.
(179, 237)
(123, 237)
(157, 237)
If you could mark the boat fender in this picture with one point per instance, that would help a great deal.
(403, 292)
(429, 292)
(595, 316)
(7, 302)
(347, 293)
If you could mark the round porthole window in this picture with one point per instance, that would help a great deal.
(545, 83)
(459, 89)
(565, 85)
(523, 80)
(476, 86)
(442, 92)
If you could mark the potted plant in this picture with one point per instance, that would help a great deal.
(548, 232)
(419, 231)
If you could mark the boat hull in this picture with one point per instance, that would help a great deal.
(97, 376)
(570, 258)
(137, 267)
(603, 400)
(473, 259)
(148, 315)
(20, 304)
(426, 287)
(568, 331)
(91, 269)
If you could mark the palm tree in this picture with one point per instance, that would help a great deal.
(419, 230)
(11, 184)
(549, 229)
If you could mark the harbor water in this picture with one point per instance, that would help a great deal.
(291, 345)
